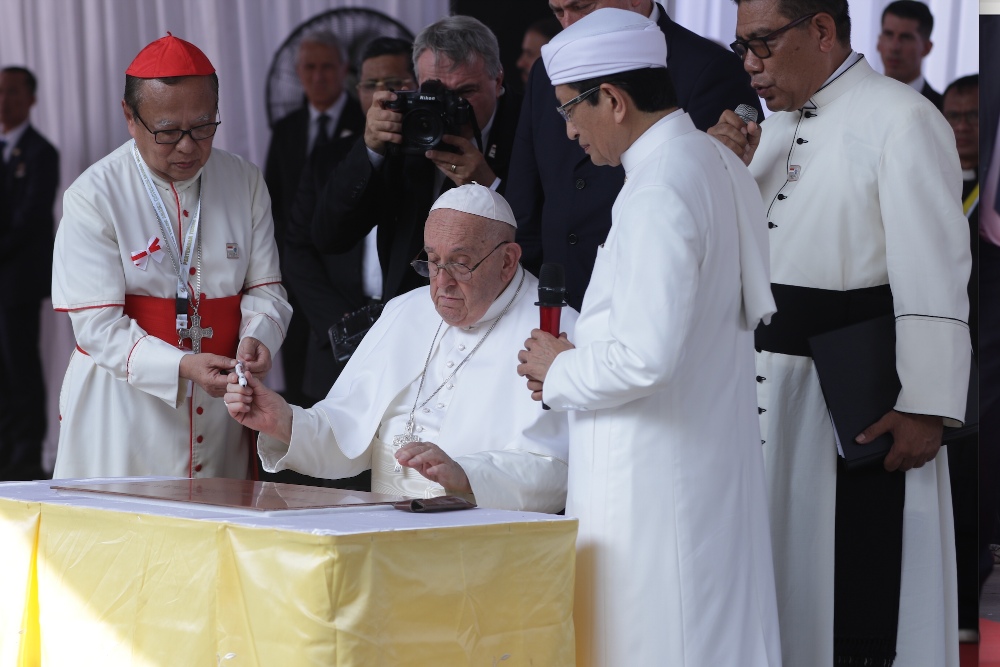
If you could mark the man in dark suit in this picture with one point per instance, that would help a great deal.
(29, 174)
(989, 290)
(376, 186)
(561, 200)
(329, 114)
(904, 42)
(329, 286)
(961, 109)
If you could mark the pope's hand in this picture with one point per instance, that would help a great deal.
(430, 461)
(258, 408)
(740, 137)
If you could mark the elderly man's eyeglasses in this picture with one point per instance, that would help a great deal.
(371, 85)
(955, 117)
(759, 45)
(197, 133)
(566, 110)
(456, 270)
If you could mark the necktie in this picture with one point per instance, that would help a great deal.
(323, 135)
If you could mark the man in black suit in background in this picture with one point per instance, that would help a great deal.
(904, 42)
(29, 174)
(989, 290)
(329, 286)
(561, 200)
(328, 114)
(377, 186)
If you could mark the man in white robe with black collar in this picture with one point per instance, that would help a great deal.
(666, 474)
(861, 179)
(430, 400)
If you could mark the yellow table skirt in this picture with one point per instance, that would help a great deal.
(85, 586)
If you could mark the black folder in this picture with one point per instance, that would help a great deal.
(857, 372)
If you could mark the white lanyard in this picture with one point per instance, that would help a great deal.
(181, 260)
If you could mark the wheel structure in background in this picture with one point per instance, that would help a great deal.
(353, 26)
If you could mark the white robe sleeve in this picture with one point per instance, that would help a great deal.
(88, 274)
(313, 450)
(658, 247)
(928, 260)
(511, 479)
(265, 308)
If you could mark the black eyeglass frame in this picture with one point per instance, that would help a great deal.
(461, 276)
(565, 109)
(371, 85)
(741, 46)
(971, 117)
(190, 131)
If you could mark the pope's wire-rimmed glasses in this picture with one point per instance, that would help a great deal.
(456, 270)
(566, 110)
(759, 45)
(371, 85)
(197, 133)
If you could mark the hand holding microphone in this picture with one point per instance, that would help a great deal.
(733, 130)
(551, 299)
(746, 113)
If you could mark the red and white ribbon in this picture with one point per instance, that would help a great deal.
(153, 249)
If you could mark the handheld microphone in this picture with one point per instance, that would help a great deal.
(747, 113)
(551, 299)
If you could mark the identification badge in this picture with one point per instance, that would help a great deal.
(794, 171)
(232, 251)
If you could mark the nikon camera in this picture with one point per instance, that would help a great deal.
(428, 115)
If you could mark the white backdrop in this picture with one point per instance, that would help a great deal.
(79, 50)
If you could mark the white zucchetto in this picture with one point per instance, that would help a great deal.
(477, 200)
(606, 41)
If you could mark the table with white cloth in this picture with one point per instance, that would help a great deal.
(92, 579)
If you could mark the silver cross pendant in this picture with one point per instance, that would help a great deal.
(195, 332)
(399, 440)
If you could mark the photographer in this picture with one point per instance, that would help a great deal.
(386, 181)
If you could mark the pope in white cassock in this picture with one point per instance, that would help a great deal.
(666, 474)
(166, 263)
(863, 185)
(430, 400)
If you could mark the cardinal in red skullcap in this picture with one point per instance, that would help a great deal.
(166, 263)
(170, 56)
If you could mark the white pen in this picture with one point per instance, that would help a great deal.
(240, 375)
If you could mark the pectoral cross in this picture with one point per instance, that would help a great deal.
(399, 440)
(195, 333)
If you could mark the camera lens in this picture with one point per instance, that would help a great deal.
(422, 127)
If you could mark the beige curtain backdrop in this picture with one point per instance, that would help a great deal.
(79, 50)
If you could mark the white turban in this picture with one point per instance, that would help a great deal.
(607, 41)
(477, 200)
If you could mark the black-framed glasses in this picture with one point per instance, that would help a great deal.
(456, 270)
(759, 45)
(955, 117)
(371, 85)
(565, 110)
(197, 133)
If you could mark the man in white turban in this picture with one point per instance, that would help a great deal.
(430, 400)
(666, 476)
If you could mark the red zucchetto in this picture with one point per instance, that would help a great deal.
(170, 56)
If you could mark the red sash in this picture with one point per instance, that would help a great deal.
(157, 317)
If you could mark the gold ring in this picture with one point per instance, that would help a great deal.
(453, 168)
